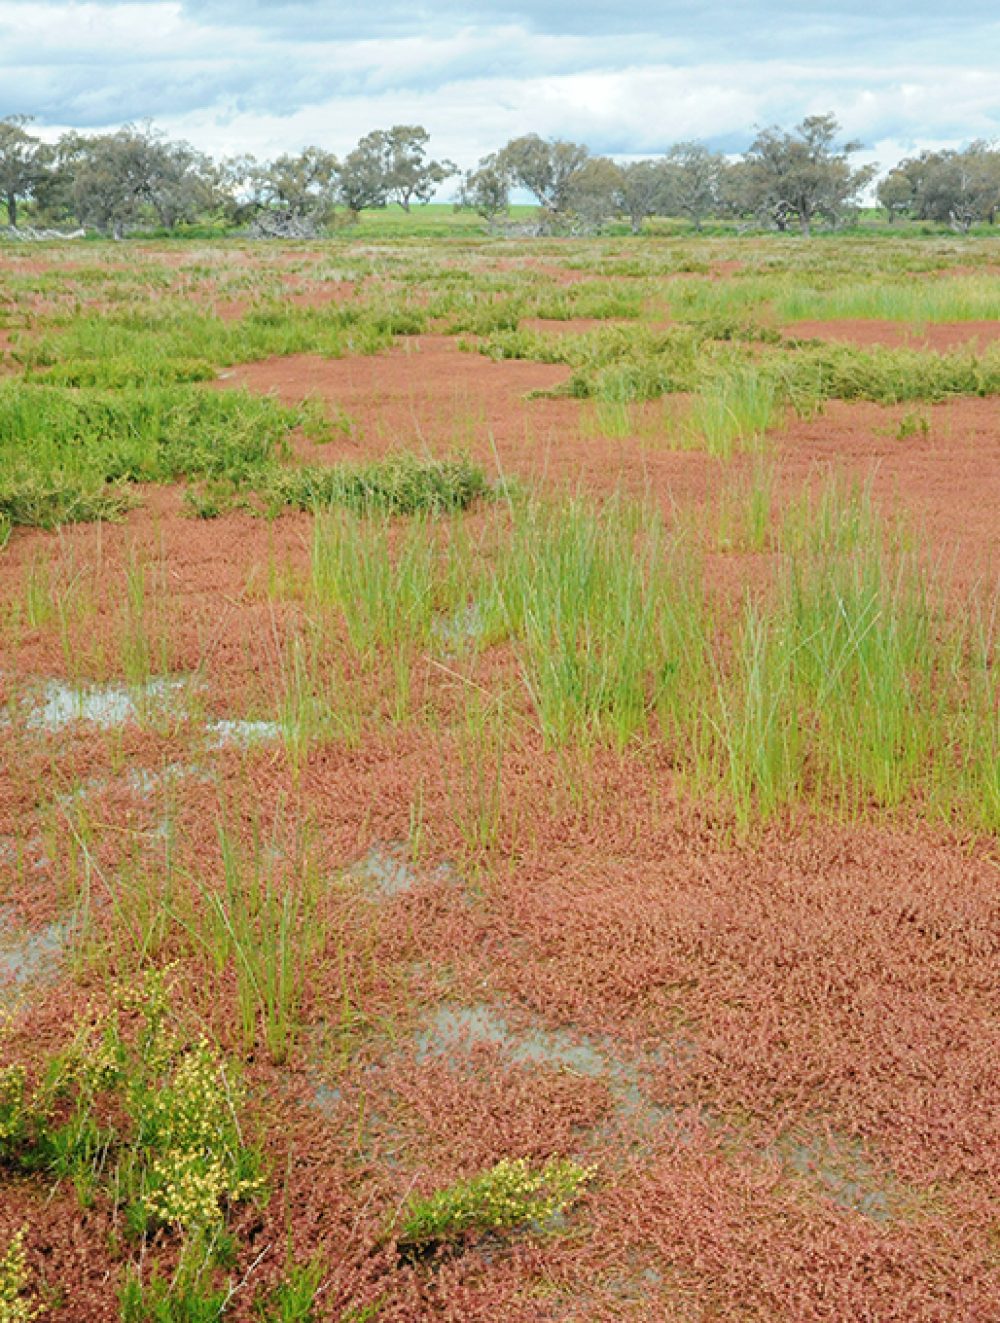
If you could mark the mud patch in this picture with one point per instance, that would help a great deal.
(28, 956)
(386, 871)
(61, 705)
(452, 1032)
(842, 1170)
(226, 733)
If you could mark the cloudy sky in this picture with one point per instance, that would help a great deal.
(626, 78)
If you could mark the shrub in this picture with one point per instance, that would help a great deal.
(509, 1195)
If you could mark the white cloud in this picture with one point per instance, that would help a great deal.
(258, 84)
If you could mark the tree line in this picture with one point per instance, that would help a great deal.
(795, 177)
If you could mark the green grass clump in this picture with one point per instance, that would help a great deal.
(729, 326)
(48, 500)
(185, 1298)
(384, 594)
(62, 449)
(118, 373)
(171, 341)
(536, 346)
(386, 588)
(975, 298)
(294, 1299)
(512, 1194)
(632, 379)
(850, 685)
(743, 511)
(263, 927)
(813, 373)
(68, 455)
(402, 484)
(623, 363)
(596, 298)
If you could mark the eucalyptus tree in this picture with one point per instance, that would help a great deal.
(546, 168)
(391, 165)
(486, 189)
(300, 186)
(692, 175)
(957, 188)
(640, 191)
(111, 179)
(802, 175)
(117, 180)
(24, 163)
(593, 191)
(897, 194)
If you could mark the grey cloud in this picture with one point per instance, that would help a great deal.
(623, 78)
(717, 23)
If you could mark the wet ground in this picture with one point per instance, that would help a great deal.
(780, 1053)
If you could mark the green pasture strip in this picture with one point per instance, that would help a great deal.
(170, 342)
(915, 302)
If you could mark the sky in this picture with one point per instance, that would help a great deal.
(265, 77)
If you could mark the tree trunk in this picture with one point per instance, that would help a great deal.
(960, 222)
(12, 211)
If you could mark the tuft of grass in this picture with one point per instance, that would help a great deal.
(263, 928)
(848, 685)
(46, 500)
(817, 372)
(732, 412)
(317, 702)
(969, 298)
(912, 424)
(144, 640)
(164, 1300)
(577, 592)
(744, 511)
(69, 455)
(65, 454)
(169, 341)
(294, 1299)
(387, 586)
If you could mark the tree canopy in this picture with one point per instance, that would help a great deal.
(137, 177)
(802, 175)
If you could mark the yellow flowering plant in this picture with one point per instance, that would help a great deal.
(180, 1161)
(17, 1304)
(194, 1162)
(511, 1194)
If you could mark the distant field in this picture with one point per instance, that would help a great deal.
(499, 777)
(441, 220)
